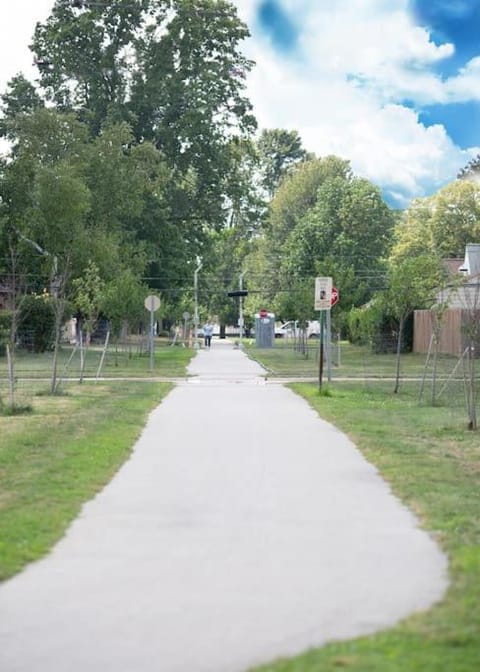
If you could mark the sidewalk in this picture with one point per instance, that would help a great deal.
(243, 528)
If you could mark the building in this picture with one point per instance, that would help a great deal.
(458, 326)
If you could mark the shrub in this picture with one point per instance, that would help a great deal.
(36, 323)
(5, 325)
(374, 325)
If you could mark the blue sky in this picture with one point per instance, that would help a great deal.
(392, 85)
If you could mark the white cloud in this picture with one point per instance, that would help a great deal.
(17, 24)
(465, 86)
(358, 60)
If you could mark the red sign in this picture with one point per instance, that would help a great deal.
(263, 312)
(335, 296)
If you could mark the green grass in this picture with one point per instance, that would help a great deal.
(61, 455)
(354, 361)
(131, 362)
(433, 464)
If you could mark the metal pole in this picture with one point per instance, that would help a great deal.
(320, 367)
(328, 343)
(240, 309)
(195, 312)
(151, 332)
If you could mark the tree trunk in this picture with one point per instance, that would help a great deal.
(11, 377)
(56, 345)
(399, 352)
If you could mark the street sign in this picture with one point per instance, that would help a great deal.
(323, 293)
(335, 296)
(152, 303)
(238, 292)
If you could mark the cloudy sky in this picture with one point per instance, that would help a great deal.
(392, 85)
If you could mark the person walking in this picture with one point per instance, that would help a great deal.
(207, 333)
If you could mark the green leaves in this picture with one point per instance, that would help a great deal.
(279, 150)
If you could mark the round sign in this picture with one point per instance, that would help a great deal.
(152, 303)
(186, 316)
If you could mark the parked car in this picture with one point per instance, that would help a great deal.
(292, 329)
(285, 329)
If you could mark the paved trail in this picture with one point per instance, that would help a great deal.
(243, 528)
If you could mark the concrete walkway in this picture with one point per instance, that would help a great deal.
(243, 528)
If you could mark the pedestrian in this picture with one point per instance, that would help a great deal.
(207, 333)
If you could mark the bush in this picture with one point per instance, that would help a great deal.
(36, 323)
(374, 325)
(5, 325)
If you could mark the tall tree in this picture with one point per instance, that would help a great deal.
(171, 68)
(299, 192)
(347, 235)
(441, 224)
(279, 150)
(21, 97)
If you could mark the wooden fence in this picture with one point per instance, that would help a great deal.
(453, 330)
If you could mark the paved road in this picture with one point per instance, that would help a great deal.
(243, 528)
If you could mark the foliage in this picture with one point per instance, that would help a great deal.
(298, 193)
(374, 324)
(442, 224)
(122, 301)
(5, 326)
(20, 97)
(172, 70)
(87, 296)
(36, 323)
(279, 150)
(471, 170)
(413, 283)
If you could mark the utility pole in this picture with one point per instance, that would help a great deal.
(240, 308)
(195, 312)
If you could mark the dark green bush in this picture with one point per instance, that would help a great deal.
(374, 325)
(5, 324)
(36, 323)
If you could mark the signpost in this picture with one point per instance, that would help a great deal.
(151, 303)
(323, 293)
(326, 296)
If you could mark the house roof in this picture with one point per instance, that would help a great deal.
(453, 265)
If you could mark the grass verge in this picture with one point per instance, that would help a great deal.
(433, 464)
(352, 361)
(61, 455)
(168, 362)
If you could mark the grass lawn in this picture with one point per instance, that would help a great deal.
(347, 361)
(59, 456)
(134, 362)
(432, 462)
(32, 370)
